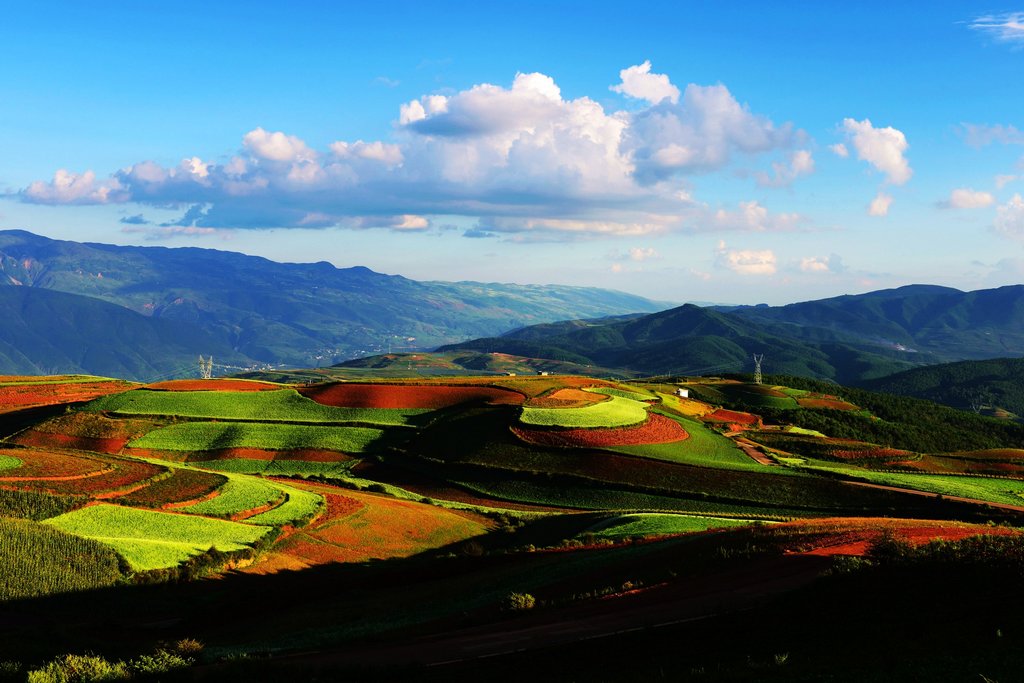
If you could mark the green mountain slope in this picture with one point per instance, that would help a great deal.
(294, 313)
(46, 332)
(995, 383)
(691, 340)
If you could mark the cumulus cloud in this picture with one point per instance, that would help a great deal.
(639, 83)
(1009, 220)
(638, 254)
(966, 198)
(883, 148)
(981, 135)
(1007, 27)
(1004, 180)
(822, 264)
(839, 149)
(753, 217)
(746, 261)
(800, 163)
(520, 159)
(879, 206)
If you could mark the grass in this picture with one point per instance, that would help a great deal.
(285, 405)
(657, 524)
(239, 495)
(149, 539)
(8, 462)
(207, 436)
(42, 560)
(615, 412)
(625, 393)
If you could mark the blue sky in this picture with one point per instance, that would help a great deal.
(754, 152)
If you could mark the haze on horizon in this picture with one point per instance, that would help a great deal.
(738, 154)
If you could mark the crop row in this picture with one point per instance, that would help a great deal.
(45, 465)
(41, 560)
(123, 476)
(284, 405)
(208, 436)
(182, 486)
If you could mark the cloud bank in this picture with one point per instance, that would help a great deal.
(522, 160)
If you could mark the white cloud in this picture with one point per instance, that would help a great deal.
(639, 83)
(617, 268)
(883, 148)
(819, 265)
(1009, 220)
(801, 163)
(74, 188)
(980, 135)
(879, 206)
(1004, 180)
(966, 198)
(638, 254)
(839, 149)
(752, 217)
(1007, 27)
(519, 160)
(746, 261)
(276, 146)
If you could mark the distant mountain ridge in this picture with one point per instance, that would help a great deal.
(849, 339)
(301, 314)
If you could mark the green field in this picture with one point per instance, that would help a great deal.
(238, 495)
(704, 447)
(657, 524)
(615, 412)
(8, 462)
(277, 468)
(208, 436)
(42, 560)
(634, 395)
(149, 539)
(285, 405)
(300, 506)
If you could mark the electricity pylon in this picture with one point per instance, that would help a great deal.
(205, 367)
(757, 367)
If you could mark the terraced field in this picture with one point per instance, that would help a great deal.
(284, 405)
(615, 412)
(209, 436)
(149, 539)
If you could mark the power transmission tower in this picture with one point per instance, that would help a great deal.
(205, 367)
(757, 367)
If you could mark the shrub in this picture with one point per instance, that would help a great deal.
(79, 669)
(518, 602)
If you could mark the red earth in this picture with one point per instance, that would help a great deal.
(567, 398)
(45, 465)
(732, 417)
(657, 429)
(355, 395)
(13, 397)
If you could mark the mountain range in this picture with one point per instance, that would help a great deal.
(849, 339)
(245, 310)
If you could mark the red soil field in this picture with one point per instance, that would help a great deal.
(732, 417)
(852, 536)
(359, 526)
(43, 465)
(832, 403)
(872, 453)
(353, 395)
(213, 385)
(125, 476)
(657, 429)
(82, 443)
(183, 487)
(567, 398)
(17, 396)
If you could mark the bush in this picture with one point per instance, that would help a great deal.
(79, 669)
(518, 602)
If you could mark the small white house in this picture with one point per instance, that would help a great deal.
(683, 393)
(544, 373)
